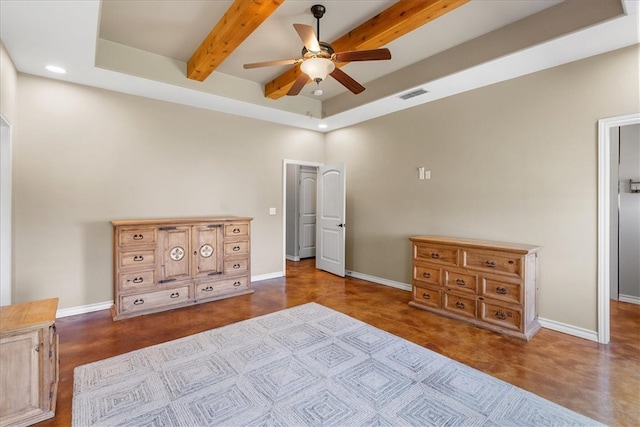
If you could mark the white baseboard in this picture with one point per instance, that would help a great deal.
(545, 323)
(72, 311)
(90, 308)
(293, 258)
(267, 276)
(629, 298)
(569, 329)
(379, 280)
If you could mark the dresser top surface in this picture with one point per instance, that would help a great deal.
(28, 314)
(160, 221)
(477, 244)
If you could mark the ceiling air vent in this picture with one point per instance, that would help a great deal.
(413, 94)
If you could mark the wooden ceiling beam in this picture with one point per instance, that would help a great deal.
(238, 22)
(394, 22)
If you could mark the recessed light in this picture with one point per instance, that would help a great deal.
(322, 126)
(56, 69)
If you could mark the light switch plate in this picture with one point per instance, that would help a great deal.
(272, 211)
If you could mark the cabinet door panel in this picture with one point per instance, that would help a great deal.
(19, 359)
(175, 249)
(207, 255)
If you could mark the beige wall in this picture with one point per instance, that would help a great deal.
(8, 77)
(84, 156)
(515, 161)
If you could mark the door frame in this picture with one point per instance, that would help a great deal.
(285, 163)
(604, 218)
(6, 228)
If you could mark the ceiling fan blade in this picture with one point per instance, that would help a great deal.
(308, 37)
(363, 55)
(298, 84)
(346, 81)
(270, 63)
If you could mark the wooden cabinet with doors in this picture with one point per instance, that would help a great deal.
(163, 264)
(490, 284)
(28, 362)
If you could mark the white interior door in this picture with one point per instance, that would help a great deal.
(330, 224)
(307, 214)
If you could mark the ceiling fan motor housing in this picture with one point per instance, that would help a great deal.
(326, 50)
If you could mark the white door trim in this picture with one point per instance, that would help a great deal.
(604, 218)
(285, 163)
(6, 229)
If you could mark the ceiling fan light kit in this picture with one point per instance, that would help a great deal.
(319, 59)
(317, 68)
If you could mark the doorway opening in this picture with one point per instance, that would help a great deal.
(329, 225)
(297, 227)
(606, 134)
(301, 212)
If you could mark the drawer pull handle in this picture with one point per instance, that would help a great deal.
(236, 248)
(500, 315)
(236, 284)
(175, 295)
(167, 228)
(139, 301)
(460, 305)
(236, 266)
(426, 296)
(138, 280)
(426, 275)
(138, 258)
(173, 279)
(236, 231)
(460, 282)
(435, 255)
(490, 264)
(138, 237)
(214, 273)
(501, 290)
(208, 289)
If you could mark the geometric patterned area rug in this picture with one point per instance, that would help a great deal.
(304, 366)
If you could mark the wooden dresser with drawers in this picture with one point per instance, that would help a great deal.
(162, 264)
(490, 284)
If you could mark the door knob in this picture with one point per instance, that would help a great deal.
(342, 225)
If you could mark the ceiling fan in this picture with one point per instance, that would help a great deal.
(319, 59)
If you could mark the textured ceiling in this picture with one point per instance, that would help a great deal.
(141, 48)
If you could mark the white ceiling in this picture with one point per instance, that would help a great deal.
(141, 47)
